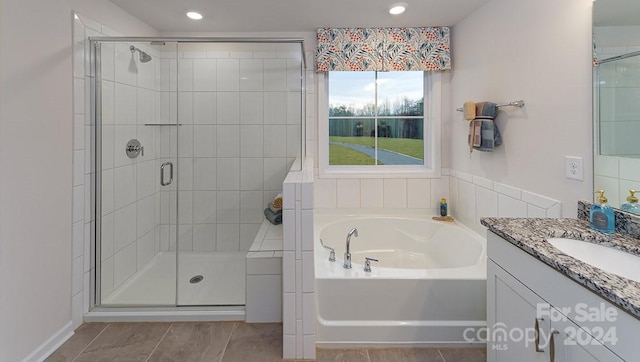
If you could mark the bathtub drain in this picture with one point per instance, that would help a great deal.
(196, 279)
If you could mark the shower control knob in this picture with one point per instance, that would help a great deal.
(133, 148)
(367, 263)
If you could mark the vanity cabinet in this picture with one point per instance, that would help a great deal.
(535, 313)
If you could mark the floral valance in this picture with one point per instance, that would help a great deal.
(383, 49)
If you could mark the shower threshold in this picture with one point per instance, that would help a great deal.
(165, 314)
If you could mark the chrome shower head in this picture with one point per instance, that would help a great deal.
(144, 57)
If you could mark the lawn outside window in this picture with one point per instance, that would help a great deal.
(379, 124)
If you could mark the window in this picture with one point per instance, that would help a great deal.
(380, 122)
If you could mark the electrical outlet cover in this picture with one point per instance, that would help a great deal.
(573, 168)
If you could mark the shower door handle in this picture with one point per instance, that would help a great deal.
(162, 182)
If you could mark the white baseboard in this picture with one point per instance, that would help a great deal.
(51, 344)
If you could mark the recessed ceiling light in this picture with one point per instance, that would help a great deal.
(398, 8)
(194, 15)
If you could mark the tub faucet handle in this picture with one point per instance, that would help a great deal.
(367, 263)
(332, 251)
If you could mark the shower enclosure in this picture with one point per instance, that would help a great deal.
(193, 139)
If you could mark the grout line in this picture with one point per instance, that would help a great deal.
(160, 341)
(93, 340)
(228, 339)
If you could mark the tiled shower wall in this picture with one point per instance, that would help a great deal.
(239, 110)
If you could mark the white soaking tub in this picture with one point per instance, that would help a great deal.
(427, 288)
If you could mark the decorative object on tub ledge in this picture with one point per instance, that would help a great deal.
(443, 218)
(483, 133)
(274, 217)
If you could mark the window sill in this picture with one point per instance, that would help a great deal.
(379, 172)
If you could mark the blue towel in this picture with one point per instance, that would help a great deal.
(274, 217)
(486, 110)
(489, 134)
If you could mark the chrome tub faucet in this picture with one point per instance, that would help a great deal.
(347, 253)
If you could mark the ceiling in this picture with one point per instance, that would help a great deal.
(168, 16)
(616, 12)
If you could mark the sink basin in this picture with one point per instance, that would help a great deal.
(602, 257)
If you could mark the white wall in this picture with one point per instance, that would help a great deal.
(37, 143)
(539, 51)
(35, 177)
(109, 14)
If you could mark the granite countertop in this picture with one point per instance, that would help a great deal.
(530, 235)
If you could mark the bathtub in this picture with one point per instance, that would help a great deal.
(428, 287)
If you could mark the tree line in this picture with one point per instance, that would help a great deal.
(400, 107)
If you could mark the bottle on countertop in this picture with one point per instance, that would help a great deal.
(631, 205)
(443, 207)
(601, 217)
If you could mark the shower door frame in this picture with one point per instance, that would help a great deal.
(95, 302)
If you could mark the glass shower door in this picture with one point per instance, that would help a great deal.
(211, 265)
(136, 183)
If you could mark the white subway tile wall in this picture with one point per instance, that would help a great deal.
(298, 306)
(469, 197)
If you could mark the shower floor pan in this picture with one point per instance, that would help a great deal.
(223, 281)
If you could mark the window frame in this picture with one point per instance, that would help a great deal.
(432, 125)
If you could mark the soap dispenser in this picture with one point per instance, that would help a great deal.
(631, 205)
(601, 217)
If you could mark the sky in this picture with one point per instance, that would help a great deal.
(358, 88)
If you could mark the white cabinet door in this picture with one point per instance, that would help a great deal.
(512, 320)
(570, 343)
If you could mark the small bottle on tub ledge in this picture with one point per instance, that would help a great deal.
(443, 212)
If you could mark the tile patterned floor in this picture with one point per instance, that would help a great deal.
(222, 341)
